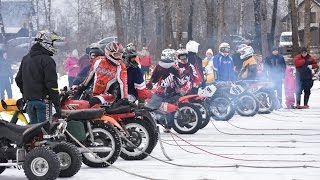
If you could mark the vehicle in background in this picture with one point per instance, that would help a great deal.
(285, 43)
(104, 41)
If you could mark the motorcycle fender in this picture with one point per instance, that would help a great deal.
(147, 116)
(185, 99)
(110, 120)
(21, 116)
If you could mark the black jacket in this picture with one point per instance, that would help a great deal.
(275, 67)
(37, 76)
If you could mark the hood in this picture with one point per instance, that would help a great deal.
(37, 49)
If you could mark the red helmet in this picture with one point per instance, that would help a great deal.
(113, 52)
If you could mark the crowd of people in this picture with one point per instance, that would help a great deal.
(122, 71)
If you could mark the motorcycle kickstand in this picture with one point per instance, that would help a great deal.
(161, 145)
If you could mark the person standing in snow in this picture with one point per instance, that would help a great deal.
(6, 76)
(207, 64)
(71, 66)
(275, 69)
(37, 77)
(192, 47)
(249, 68)
(304, 64)
(146, 62)
(223, 63)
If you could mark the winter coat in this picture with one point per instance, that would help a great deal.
(209, 70)
(146, 61)
(105, 73)
(249, 69)
(82, 75)
(166, 79)
(224, 67)
(71, 66)
(6, 74)
(196, 61)
(37, 76)
(84, 61)
(136, 84)
(301, 63)
(275, 67)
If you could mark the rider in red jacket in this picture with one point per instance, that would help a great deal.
(107, 70)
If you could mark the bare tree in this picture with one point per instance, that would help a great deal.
(143, 23)
(190, 21)
(179, 21)
(273, 22)
(168, 23)
(295, 35)
(257, 25)
(221, 22)
(264, 29)
(241, 17)
(210, 22)
(307, 21)
(118, 20)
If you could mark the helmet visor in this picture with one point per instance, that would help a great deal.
(225, 49)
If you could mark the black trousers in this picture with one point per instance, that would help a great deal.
(303, 86)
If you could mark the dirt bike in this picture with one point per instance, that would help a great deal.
(91, 128)
(37, 149)
(187, 117)
(135, 124)
(238, 92)
(266, 96)
(212, 104)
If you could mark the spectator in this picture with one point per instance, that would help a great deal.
(224, 63)
(192, 48)
(304, 64)
(71, 66)
(207, 64)
(85, 59)
(275, 69)
(145, 61)
(6, 76)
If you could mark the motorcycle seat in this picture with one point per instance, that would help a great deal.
(83, 114)
(20, 134)
(119, 110)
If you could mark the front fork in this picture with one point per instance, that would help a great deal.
(89, 127)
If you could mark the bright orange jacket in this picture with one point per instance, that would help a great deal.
(105, 73)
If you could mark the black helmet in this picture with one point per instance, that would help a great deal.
(127, 56)
(95, 51)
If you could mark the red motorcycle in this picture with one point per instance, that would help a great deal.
(138, 126)
(187, 118)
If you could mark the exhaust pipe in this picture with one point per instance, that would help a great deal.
(9, 164)
(95, 149)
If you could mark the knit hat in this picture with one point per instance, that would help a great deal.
(274, 48)
(303, 49)
(75, 53)
(209, 51)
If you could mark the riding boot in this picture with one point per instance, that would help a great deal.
(298, 98)
(306, 100)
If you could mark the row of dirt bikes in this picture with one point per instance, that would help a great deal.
(98, 135)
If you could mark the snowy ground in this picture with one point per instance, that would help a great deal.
(282, 139)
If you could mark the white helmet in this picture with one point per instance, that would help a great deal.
(182, 56)
(192, 46)
(246, 51)
(46, 39)
(168, 58)
(224, 47)
(240, 47)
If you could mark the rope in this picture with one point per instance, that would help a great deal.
(278, 129)
(96, 156)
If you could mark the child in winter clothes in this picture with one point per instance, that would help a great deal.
(71, 66)
(290, 86)
(207, 64)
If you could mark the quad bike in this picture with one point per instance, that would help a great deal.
(37, 149)
(92, 129)
(238, 92)
(137, 127)
(266, 96)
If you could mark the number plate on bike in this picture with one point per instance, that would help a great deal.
(236, 90)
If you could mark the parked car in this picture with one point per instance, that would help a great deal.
(104, 41)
